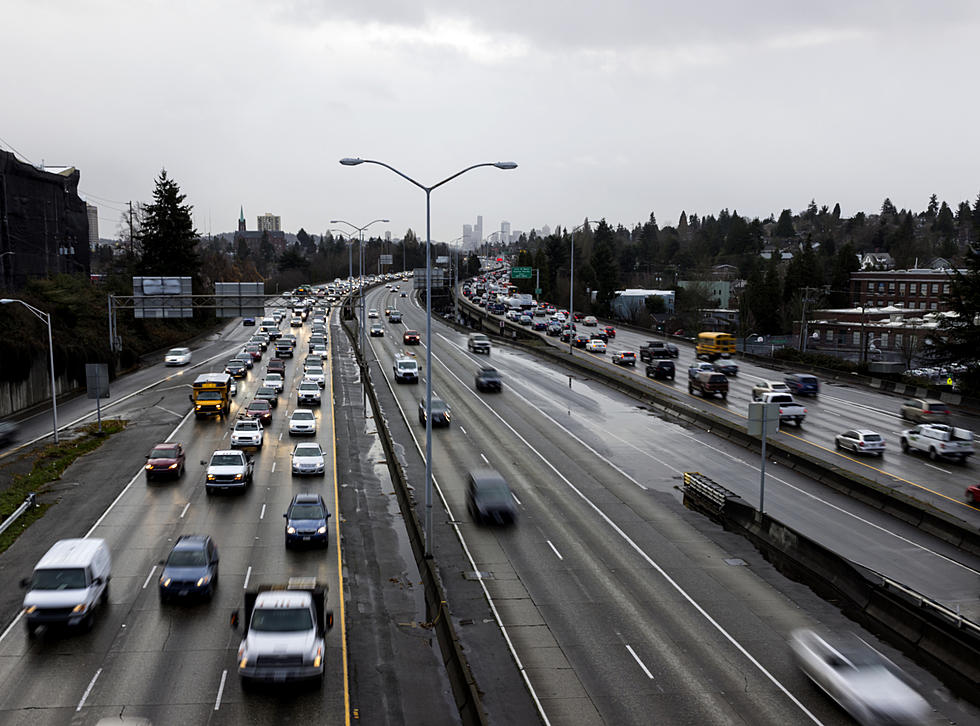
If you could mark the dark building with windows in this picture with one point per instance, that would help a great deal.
(922, 289)
(43, 223)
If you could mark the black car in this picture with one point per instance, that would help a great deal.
(440, 412)
(267, 393)
(306, 521)
(661, 369)
(580, 340)
(191, 570)
(600, 334)
(236, 369)
(283, 349)
(554, 329)
(488, 498)
(488, 379)
(728, 367)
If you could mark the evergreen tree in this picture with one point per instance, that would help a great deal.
(836, 213)
(243, 252)
(945, 225)
(167, 235)
(605, 271)
(784, 227)
(933, 209)
(959, 337)
(888, 211)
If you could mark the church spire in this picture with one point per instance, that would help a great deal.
(241, 219)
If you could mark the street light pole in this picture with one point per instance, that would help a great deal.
(46, 319)
(428, 318)
(571, 284)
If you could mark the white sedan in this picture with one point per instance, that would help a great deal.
(308, 459)
(177, 357)
(303, 421)
(596, 345)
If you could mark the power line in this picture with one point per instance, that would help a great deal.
(7, 144)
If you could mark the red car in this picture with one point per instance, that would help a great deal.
(577, 317)
(165, 460)
(261, 409)
(411, 337)
(276, 365)
(610, 331)
(973, 493)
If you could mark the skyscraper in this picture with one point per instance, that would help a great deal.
(505, 233)
(93, 225)
(269, 222)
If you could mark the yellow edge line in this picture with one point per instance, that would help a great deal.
(336, 512)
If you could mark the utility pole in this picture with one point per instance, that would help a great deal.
(130, 230)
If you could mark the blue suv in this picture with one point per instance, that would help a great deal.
(802, 384)
(191, 570)
(306, 521)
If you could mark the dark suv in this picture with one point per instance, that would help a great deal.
(661, 369)
(306, 521)
(191, 570)
(488, 498)
(488, 379)
(709, 384)
(802, 384)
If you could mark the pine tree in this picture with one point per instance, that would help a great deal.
(959, 337)
(167, 235)
(784, 227)
(933, 209)
(945, 224)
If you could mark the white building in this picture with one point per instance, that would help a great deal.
(93, 225)
(505, 233)
(269, 222)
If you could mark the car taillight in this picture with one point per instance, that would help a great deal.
(860, 443)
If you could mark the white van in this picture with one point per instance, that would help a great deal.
(68, 584)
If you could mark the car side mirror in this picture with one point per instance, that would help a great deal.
(190, 397)
(203, 462)
(233, 620)
(329, 619)
(25, 582)
(161, 562)
(97, 581)
(285, 516)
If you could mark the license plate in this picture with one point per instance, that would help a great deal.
(182, 593)
(306, 539)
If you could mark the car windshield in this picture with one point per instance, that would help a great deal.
(258, 406)
(247, 426)
(187, 558)
(175, 351)
(303, 416)
(164, 452)
(406, 365)
(281, 620)
(71, 578)
(937, 408)
(226, 460)
(309, 387)
(494, 492)
(872, 437)
(314, 371)
(306, 511)
(266, 391)
(308, 450)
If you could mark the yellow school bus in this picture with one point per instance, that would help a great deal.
(714, 345)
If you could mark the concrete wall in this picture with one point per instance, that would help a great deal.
(35, 390)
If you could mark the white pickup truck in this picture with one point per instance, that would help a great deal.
(939, 441)
(789, 410)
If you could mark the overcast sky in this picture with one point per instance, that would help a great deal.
(612, 109)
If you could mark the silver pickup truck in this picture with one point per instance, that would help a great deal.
(939, 441)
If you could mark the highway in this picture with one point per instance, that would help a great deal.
(618, 604)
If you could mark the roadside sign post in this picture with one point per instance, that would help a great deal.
(763, 422)
(97, 385)
(520, 273)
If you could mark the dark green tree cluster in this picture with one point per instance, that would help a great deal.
(167, 235)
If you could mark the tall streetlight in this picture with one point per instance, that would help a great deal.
(571, 284)
(46, 319)
(360, 273)
(428, 319)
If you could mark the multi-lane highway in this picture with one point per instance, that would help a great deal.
(618, 606)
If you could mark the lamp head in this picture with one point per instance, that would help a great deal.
(500, 164)
(5, 300)
(348, 161)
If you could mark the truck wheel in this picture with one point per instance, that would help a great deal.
(31, 630)
(690, 389)
(932, 453)
(905, 446)
(724, 397)
(837, 444)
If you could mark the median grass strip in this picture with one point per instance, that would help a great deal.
(46, 465)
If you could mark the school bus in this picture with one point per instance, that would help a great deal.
(714, 345)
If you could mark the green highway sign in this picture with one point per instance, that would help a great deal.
(520, 273)
(537, 291)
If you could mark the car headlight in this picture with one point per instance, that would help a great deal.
(322, 530)
(204, 580)
(210, 477)
(290, 530)
(238, 477)
(165, 582)
(80, 608)
(31, 609)
(149, 466)
(172, 466)
(317, 659)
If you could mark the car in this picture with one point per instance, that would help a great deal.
(273, 380)
(624, 358)
(306, 521)
(488, 379)
(165, 460)
(402, 294)
(247, 431)
(248, 321)
(861, 441)
(726, 366)
(320, 350)
(395, 317)
(314, 373)
(236, 368)
(308, 393)
(254, 350)
(441, 415)
(763, 387)
(9, 432)
(524, 319)
(406, 368)
(411, 337)
(601, 335)
(861, 680)
(245, 358)
(307, 458)
(283, 349)
(973, 493)
(302, 421)
(610, 332)
(268, 393)
(596, 345)
(539, 325)
(177, 357)
(662, 368)
(802, 384)
(262, 340)
(276, 365)
(566, 335)
(295, 321)
(191, 569)
(372, 313)
(68, 585)
(289, 338)
(577, 317)
(554, 329)
(589, 321)
(228, 469)
(581, 340)
(924, 410)
(478, 343)
(261, 409)
(317, 341)
(377, 330)
(489, 499)
(698, 367)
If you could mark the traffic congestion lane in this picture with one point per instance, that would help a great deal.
(552, 523)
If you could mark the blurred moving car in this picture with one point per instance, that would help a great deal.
(802, 384)
(726, 366)
(661, 369)
(589, 320)
(177, 357)
(308, 459)
(248, 321)
(165, 460)
(488, 498)
(624, 358)
(924, 410)
(488, 379)
(191, 569)
(8, 432)
(871, 688)
(441, 415)
(306, 521)
(763, 387)
(861, 441)
(973, 493)
(610, 332)
(595, 345)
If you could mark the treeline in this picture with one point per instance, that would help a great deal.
(816, 248)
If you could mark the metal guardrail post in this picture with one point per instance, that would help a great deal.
(29, 503)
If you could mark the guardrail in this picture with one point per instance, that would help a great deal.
(29, 503)
(696, 484)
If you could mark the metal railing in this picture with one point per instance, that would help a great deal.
(705, 488)
(29, 503)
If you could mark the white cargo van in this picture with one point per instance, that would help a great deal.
(68, 584)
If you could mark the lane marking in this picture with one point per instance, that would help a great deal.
(186, 507)
(273, 466)
(248, 574)
(88, 690)
(516, 499)
(262, 513)
(639, 662)
(554, 549)
(463, 430)
(938, 469)
(149, 577)
(221, 689)
(485, 459)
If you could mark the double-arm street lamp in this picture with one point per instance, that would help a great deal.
(46, 319)
(428, 319)
(360, 273)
